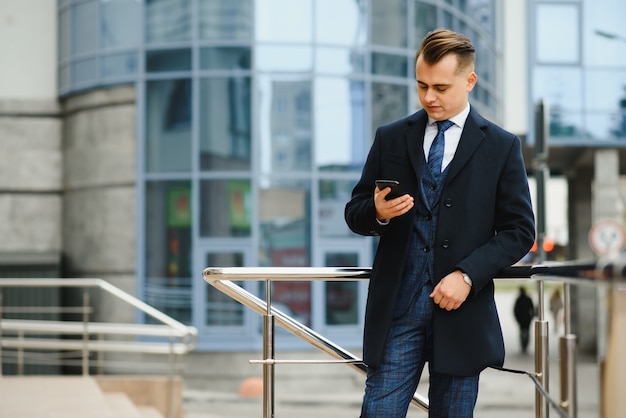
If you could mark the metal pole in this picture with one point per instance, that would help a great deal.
(541, 325)
(85, 361)
(567, 351)
(1, 314)
(268, 354)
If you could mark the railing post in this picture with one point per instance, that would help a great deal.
(85, 361)
(567, 354)
(268, 354)
(1, 332)
(541, 356)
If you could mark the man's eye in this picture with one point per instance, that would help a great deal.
(441, 89)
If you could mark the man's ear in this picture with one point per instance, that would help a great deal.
(471, 81)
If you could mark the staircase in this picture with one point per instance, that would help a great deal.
(66, 397)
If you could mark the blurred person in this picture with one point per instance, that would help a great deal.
(556, 304)
(465, 214)
(524, 311)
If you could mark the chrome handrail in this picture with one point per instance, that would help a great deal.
(580, 272)
(168, 328)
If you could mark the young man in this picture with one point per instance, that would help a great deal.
(466, 214)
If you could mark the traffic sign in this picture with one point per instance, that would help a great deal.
(607, 237)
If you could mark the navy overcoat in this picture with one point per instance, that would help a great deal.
(485, 223)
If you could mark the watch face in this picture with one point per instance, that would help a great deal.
(467, 279)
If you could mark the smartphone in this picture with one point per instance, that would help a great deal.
(396, 191)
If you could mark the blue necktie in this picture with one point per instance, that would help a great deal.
(435, 155)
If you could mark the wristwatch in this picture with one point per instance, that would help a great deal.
(466, 279)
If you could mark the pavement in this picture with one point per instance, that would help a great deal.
(501, 394)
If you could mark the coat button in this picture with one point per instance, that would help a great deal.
(445, 244)
(426, 249)
(448, 203)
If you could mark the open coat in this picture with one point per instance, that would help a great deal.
(485, 223)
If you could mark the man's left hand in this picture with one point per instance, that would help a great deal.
(451, 291)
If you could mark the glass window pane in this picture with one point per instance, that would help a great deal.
(118, 23)
(285, 115)
(333, 195)
(222, 310)
(342, 61)
(84, 33)
(168, 60)
(64, 34)
(225, 58)
(84, 71)
(119, 65)
(341, 297)
(605, 33)
(168, 21)
(168, 247)
(284, 58)
(606, 106)
(389, 22)
(226, 125)
(425, 21)
(339, 124)
(558, 35)
(389, 103)
(226, 208)
(168, 125)
(285, 241)
(340, 22)
(284, 21)
(389, 64)
(221, 20)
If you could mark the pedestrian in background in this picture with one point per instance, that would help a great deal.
(524, 311)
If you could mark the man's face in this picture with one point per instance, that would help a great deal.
(442, 90)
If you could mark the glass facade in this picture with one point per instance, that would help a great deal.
(577, 66)
(256, 118)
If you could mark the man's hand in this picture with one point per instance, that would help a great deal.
(387, 209)
(451, 291)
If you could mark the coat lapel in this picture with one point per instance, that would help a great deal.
(471, 137)
(414, 139)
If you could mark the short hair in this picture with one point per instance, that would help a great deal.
(441, 42)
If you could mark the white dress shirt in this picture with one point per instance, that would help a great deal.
(452, 135)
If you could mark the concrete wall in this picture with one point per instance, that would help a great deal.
(100, 197)
(30, 136)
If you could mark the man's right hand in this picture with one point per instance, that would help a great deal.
(388, 209)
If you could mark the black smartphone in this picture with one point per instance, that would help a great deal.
(396, 191)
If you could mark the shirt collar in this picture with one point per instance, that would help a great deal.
(458, 120)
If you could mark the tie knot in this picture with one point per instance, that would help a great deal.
(443, 125)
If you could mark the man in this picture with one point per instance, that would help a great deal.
(431, 291)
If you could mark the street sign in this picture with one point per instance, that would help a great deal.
(607, 237)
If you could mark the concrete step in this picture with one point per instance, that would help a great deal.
(121, 405)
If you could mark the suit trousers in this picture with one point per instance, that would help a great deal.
(389, 387)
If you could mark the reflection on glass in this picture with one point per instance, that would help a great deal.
(168, 247)
(333, 195)
(168, 125)
(226, 123)
(118, 24)
(222, 310)
(168, 60)
(342, 22)
(389, 22)
(341, 297)
(225, 20)
(84, 71)
(168, 20)
(225, 58)
(280, 58)
(340, 61)
(285, 241)
(340, 141)
(389, 64)
(284, 21)
(558, 37)
(226, 208)
(605, 33)
(285, 115)
(559, 86)
(389, 103)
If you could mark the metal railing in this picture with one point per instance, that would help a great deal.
(80, 338)
(602, 272)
